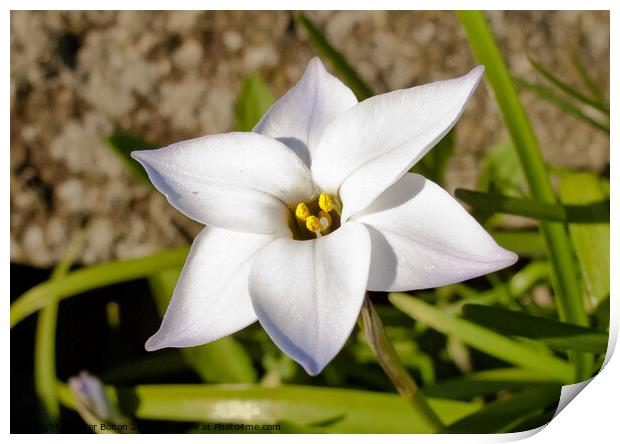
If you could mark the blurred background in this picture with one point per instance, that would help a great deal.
(77, 77)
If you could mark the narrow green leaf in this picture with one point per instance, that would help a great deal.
(90, 278)
(569, 90)
(524, 243)
(558, 335)
(433, 165)
(254, 100)
(564, 274)
(593, 211)
(483, 339)
(498, 415)
(224, 360)
(487, 382)
(592, 240)
(585, 77)
(501, 171)
(122, 145)
(45, 340)
(361, 411)
(345, 72)
(548, 95)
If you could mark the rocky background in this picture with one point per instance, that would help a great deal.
(78, 76)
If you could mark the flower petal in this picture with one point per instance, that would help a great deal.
(307, 294)
(372, 145)
(423, 238)
(298, 118)
(237, 181)
(211, 299)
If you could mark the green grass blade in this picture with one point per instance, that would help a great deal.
(495, 417)
(524, 243)
(45, 340)
(122, 145)
(548, 95)
(567, 89)
(361, 411)
(564, 273)
(593, 211)
(483, 339)
(254, 100)
(556, 334)
(591, 241)
(221, 361)
(345, 72)
(90, 278)
(585, 77)
(487, 382)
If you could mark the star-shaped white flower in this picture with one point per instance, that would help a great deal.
(313, 208)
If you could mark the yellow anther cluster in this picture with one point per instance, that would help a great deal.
(326, 203)
(302, 212)
(321, 221)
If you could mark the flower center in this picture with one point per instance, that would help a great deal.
(316, 218)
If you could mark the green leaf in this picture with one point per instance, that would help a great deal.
(433, 165)
(122, 145)
(498, 415)
(345, 72)
(254, 100)
(524, 243)
(569, 90)
(224, 360)
(592, 240)
(90, 278)
(585, 77)
(593, 211)
(501, 171)
(487, 382)
(548, 95)
(556, 334)
(563, 271)
(45, 339)
(360, 411)
(484, 339)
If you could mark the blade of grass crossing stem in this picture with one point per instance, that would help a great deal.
(569, 90)
(594, 210)
(98, 276)
(360, 411)
(45, 341)
(222, 361)
(339, 63)
(556, 334)
(483, 339)
(564, 273)
(546, 94)
(591, 241)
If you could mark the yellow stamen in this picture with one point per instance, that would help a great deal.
(302, 212)
(326, 220)
(313, 224)
(326, 203)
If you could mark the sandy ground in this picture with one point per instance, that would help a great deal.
(78, 76)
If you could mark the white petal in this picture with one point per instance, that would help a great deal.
(372, 145)
(423, 238)
(307, 294)
(237, 181)
(211, 298)
(298, 118)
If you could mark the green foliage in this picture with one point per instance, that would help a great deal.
(352, 411)
(559, 335)
(253, 102)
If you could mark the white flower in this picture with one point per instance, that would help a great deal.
(313, 208)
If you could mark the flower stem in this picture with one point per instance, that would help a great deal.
(394, 368)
